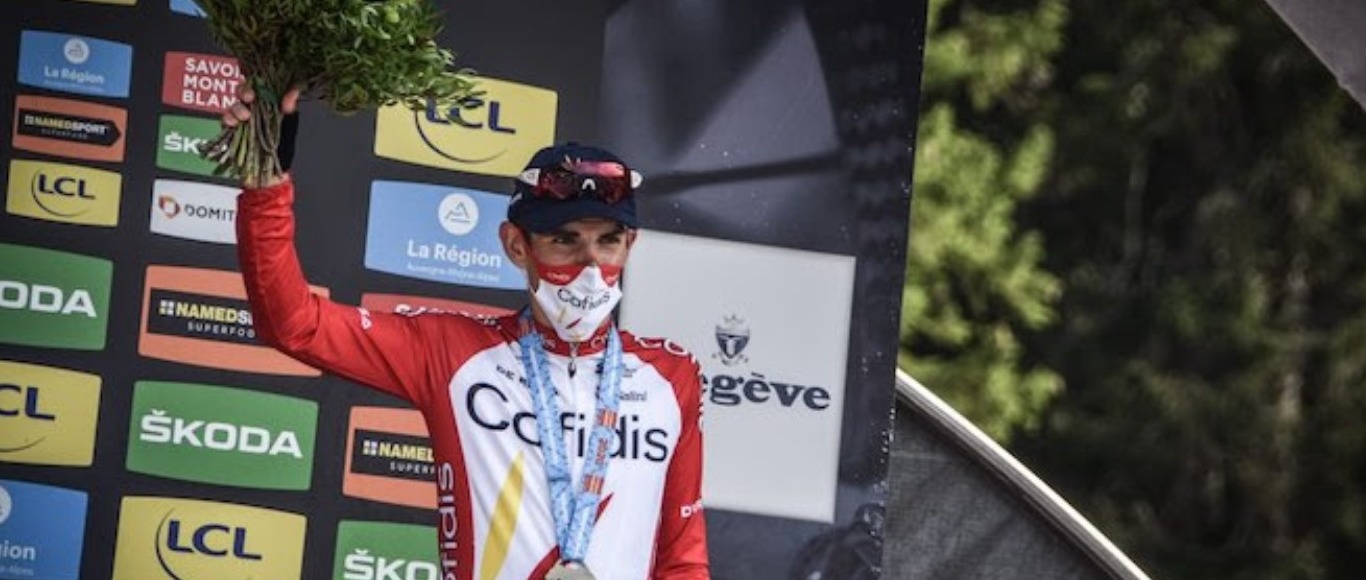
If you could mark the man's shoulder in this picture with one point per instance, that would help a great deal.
(663, 353)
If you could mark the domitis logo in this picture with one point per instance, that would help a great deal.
(439, 233)
(194, 211)
(63, 193)
(219, 435)
(75, 64)
(178, 539)
(374, 550)
(201, 317)
(42, 529)
(493, 134)
(53, 299)
(47, 415)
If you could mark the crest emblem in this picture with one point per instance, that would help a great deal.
(732, 335)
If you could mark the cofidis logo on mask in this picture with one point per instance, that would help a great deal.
(219, 435)
(42, 529)
(53, 299)
(63, 193)
(375, 550)
(47, 415)
(194, 211)
(200, 317)
(389, 457)
(200, 82)
(187, 7)
(69, 128)
(74, 64)
(493, 134)
(440, 233)
(175, 539)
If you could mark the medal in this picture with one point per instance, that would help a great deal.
(573, 508)
(569, 571)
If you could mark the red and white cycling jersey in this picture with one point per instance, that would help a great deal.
(465, 376)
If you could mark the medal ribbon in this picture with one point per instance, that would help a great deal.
(575, 512)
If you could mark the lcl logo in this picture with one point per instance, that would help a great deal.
(63, 186)
(30, 408)
(211, 539)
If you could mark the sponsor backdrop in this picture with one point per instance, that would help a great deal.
(145, 433)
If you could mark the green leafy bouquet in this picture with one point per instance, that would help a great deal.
(353, 54)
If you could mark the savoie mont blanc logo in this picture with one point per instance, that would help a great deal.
(53, 299)
(74, 64)
(200, 82)
(178, 539)
(219, 435)
(492, 134)
(47, 415)
(63, 193)
(42, 529)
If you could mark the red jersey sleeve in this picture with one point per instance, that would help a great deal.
(394, 353)
(681, 542)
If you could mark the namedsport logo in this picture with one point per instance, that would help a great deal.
(47, 415)
(219, 435)
(74, 64)
(493, 134)
(42, 531)
(63, 193)
(440, 233)
(389, 457)
(201, 317)
(69, 128)
(174, 539)
(377, 550)
(200, 82)
(53, 299)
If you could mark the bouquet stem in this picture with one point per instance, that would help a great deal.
(248, 150)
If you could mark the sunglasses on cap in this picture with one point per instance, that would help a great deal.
(606, 181)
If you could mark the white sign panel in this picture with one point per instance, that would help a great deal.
(194, 211)
(771, 329)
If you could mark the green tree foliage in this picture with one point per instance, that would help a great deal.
(974, 281)
(1204, 212)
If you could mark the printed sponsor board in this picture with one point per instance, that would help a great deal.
(194, 211)
(53, 299)
(42, 531)
(47, 415)
(440, 233)
(178, 141)
(200, 82)
(200, 317)
(74, 64)
(389, 457)
(187, 7)
(494, 134)
(220, 435)
(773, 341)
(69, 128)
(410, 305)
(63, 193)
(376, 550)
(172, 539)
(115, 2)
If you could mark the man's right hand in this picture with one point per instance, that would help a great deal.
(289, 105)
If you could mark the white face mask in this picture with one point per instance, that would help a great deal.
(577, 299)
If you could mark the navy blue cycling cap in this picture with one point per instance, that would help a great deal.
(570, 181)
